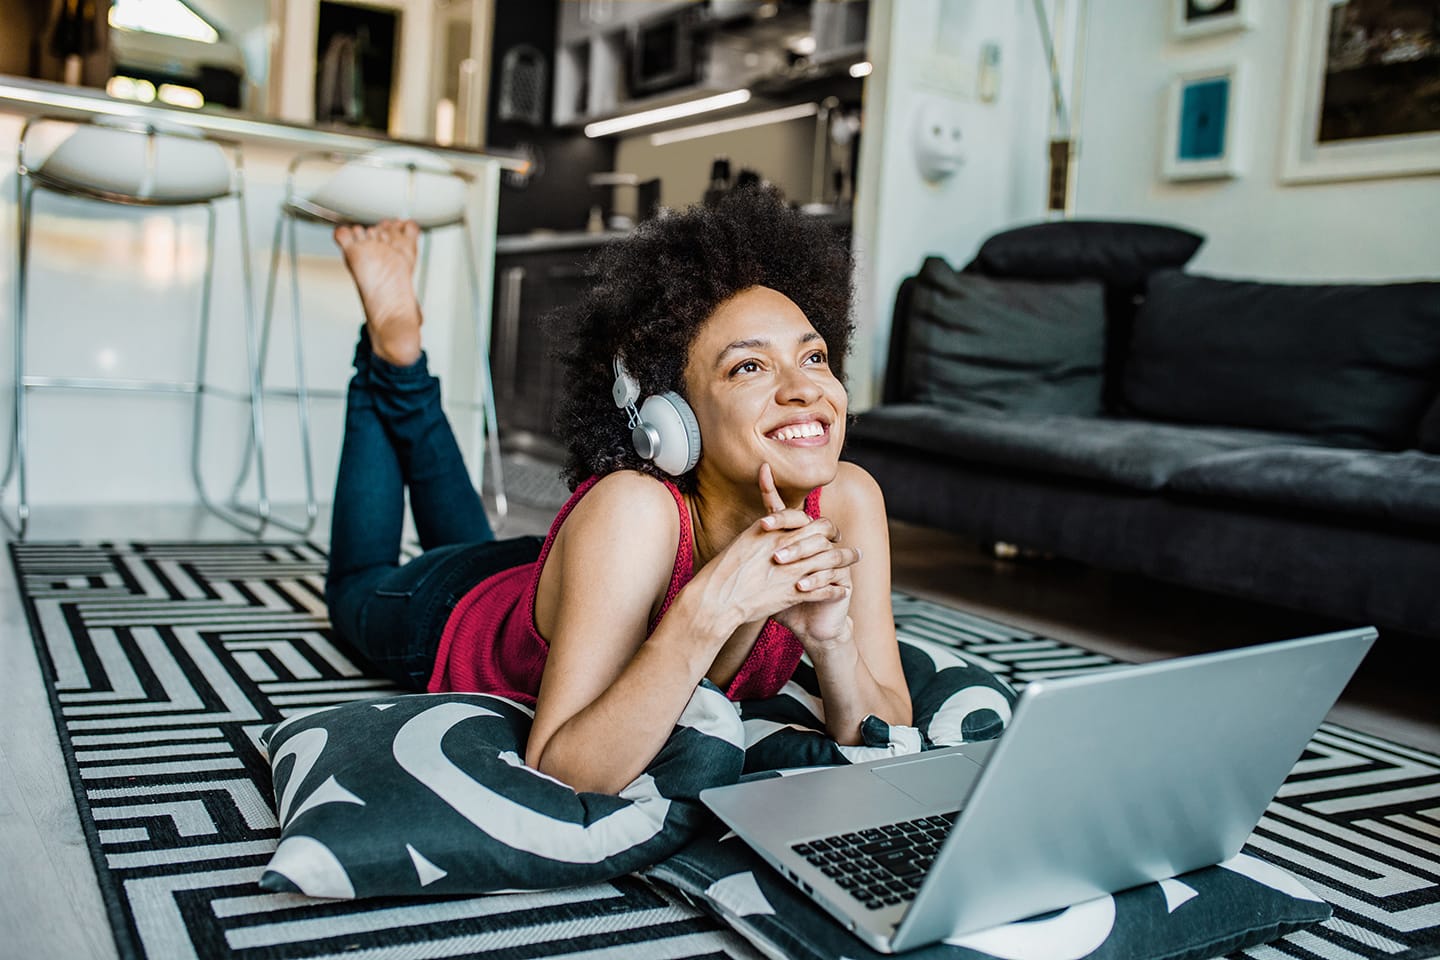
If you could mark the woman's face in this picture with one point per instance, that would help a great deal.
(758, 377)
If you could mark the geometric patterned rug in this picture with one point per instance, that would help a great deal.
(166, 660)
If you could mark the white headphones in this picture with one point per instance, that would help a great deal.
(663, 429)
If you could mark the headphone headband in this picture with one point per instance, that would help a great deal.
(626, 389)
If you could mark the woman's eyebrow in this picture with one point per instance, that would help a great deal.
(752, 344)
(759, 343)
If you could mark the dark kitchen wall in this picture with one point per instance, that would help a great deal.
(557, 196)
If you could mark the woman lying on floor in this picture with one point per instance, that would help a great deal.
(707, 558)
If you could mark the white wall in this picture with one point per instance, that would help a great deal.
(900, 217)
(1256, 225)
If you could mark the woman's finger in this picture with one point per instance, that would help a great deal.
(828, 592)
(820, 579)
(769, 495)
(833, 565)
(784, 519)
(838, 559)
(812, 543)
(822, 526)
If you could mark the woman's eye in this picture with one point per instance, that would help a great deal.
(749, 366)
(817, 357)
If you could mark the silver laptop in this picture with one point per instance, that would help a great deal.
(1101, 782)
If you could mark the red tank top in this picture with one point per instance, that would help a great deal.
(490, 643)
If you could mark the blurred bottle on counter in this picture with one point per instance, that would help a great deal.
(73, 36)
(719, 181)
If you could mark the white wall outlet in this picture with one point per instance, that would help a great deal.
(938, 139)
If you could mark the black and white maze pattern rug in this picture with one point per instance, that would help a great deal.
(166, 660)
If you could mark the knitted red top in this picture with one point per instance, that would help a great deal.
(490, 643)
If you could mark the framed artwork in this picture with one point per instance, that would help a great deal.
(1200, 125)
(1363, 100)
(1199, 18)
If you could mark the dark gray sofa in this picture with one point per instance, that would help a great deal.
(1073, 391)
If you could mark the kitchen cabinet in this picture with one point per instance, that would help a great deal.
(619, 56)
(533, 277)
(594, 50)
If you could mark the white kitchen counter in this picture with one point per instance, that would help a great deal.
(115, 292)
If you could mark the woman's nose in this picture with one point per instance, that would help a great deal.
(796, 386)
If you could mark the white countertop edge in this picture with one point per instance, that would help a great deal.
(37, 97)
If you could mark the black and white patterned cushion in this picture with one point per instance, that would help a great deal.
(1199, 915)
(953, 701)
(429, 793)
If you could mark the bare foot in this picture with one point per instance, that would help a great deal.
(382, 261)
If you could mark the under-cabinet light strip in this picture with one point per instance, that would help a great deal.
(603, 128)
(734, 123)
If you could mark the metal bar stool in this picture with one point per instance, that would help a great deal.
(135, 163)
(404, 183)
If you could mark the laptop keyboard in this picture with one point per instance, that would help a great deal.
(881, 866)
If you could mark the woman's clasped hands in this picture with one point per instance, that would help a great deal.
(792, 568)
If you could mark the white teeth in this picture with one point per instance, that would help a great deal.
(796, 431)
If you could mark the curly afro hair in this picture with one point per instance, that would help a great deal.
(654, 290)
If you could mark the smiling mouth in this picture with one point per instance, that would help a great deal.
(808, 433)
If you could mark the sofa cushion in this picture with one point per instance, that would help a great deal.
(1027, 346)
(1354, 363)
(1127, 453)
(1114, 252)
(1402, 488)
(1430, 428)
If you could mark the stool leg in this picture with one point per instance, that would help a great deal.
(423, 283)
(264, 351)
(198, 409)
(312, 509)
(302, 396)
(257, 400)
(490, 430)
(24, 194)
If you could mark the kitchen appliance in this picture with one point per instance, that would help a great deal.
(603, 207)
(663, 53)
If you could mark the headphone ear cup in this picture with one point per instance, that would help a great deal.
(673, 422)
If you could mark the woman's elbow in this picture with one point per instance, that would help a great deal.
(902, 708)
(582, 778)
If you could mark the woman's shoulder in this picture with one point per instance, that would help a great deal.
(852, 490)
(628, 501)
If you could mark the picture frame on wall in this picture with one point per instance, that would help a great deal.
(1203, 18)
(1362, 101)
(1201, 127)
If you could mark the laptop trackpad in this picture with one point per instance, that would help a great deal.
(932, 780)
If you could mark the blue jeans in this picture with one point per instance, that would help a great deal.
(397, 436)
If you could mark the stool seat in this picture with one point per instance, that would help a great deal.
(390, 183)
(114, 164)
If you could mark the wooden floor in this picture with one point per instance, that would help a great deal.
(50, 905)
